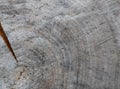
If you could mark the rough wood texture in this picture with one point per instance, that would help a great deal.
(61, 44)
(5, 38)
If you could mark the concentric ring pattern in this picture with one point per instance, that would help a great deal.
(61, 44)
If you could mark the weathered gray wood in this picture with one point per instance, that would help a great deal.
(61, 44)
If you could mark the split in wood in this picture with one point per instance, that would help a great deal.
(4, 37)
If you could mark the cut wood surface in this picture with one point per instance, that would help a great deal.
(61, 44)
(5, 38)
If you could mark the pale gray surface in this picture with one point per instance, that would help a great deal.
(61, 44)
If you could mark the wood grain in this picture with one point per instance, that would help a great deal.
(3, 35)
